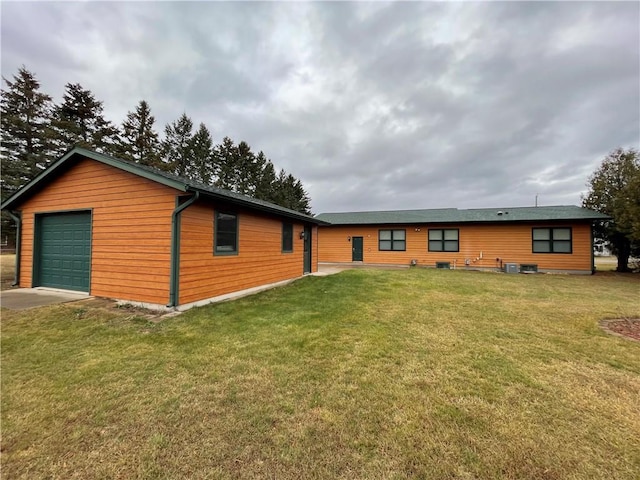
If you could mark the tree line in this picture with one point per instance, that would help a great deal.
(36, 131)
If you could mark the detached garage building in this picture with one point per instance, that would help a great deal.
(113, 228)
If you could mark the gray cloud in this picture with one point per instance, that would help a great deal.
(372, 105)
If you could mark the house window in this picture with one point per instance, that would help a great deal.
(287, 237)
(444, 240)
(392, 240)
(225, 233)
(552, 240)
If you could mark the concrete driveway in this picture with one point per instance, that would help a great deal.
(23, 298)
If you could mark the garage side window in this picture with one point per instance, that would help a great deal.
(552, 240)
(444, 240)
(287, 237)
(225, 233)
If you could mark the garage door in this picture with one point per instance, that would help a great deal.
(63, 256)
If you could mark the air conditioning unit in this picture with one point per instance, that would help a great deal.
(510, 268)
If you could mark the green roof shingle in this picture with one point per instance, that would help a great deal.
(454, 215)
(180, 183)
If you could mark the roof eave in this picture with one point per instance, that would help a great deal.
(467, 222)
(253, 206)
(52, 170)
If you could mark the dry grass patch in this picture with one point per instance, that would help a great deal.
(364, 374)
(7, 271)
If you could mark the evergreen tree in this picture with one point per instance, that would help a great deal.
(26, 132)
(225, 165)
(267, 179)
(289, 193)
(139, 141)
(202, 160)
(25, 144)
(241, 171)
(614, 189)
(176, 146)
(79, 121)
(246, 172)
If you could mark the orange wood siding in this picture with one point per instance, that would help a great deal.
(259, 260)
(131, 229)
(511, 243)
(314, 251)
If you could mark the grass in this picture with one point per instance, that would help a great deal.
(365, 374)
(7, 270)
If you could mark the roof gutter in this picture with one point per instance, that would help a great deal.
(18, 220)
(174, 275)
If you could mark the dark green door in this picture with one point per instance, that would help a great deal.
(356, 255)
(63, 251)
(307, 249)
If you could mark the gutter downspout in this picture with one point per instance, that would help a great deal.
(18, 220)
(593, 256)
(174, 276)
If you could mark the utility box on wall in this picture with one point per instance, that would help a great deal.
(510, 268)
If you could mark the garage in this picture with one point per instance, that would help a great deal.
(63, 250)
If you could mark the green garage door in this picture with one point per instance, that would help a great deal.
(63, 255)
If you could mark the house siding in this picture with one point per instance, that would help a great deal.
(259, 261)
(131, 229)
(511, 243)
(315, 241)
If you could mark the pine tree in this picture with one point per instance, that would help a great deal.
(302, 200)
(246, 172)
(289, 192)
(26, 132)
(225, 164)
(267, 179)
(202, 161)
(79, 121)
(241, 171)
(176, 146)
(139, 141)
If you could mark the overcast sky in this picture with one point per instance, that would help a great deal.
(374, 106)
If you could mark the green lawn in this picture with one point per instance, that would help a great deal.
(365, 374)
(7, 271)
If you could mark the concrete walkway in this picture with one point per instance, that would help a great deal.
(327, 268)
(23, 298)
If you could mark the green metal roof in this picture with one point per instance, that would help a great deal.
(174, 181)
(454, 215)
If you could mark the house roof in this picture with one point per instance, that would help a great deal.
(174, 181)
(454, 215)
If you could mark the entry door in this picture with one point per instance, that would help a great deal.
(307, 249)
(63, 251)
(356, 255)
